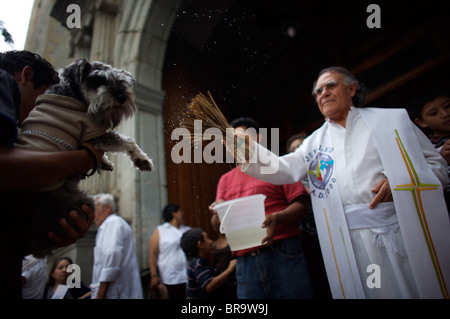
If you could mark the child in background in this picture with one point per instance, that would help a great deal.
(202, 278)
(431, 112)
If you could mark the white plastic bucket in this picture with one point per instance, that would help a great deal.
(241, 220)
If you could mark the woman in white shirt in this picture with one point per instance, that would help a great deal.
(166, 259)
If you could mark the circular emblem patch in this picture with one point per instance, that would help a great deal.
(320, 170)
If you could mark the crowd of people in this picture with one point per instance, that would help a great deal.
(363, 185)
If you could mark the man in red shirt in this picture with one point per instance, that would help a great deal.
(277, 269)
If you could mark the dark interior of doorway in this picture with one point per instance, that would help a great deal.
(259, 58)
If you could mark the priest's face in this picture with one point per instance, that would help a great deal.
(334, 97)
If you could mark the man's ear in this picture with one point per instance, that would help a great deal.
(352, 88)
(420, 122)
(25, 75)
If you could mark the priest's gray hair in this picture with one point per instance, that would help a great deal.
(349, 79)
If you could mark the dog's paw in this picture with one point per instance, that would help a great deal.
(106, 165)
(144, 164)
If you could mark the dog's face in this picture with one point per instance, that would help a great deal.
(108, 91)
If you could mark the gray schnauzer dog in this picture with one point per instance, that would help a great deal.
(90, 101)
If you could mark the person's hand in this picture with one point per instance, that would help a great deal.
(445, 151)
(210, 207)
(240, 145)
(232, 265)
(73, 235)
(269, 223)
(155, 282)
(383, 193)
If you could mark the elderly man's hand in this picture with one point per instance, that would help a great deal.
(73, 235)
(383, 193)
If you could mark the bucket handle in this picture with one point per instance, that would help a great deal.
(223, 219)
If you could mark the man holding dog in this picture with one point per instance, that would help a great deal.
(23, 77)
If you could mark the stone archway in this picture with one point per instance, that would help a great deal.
(140, 47)
(132, 35)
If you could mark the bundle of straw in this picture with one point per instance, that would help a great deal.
(203, 107)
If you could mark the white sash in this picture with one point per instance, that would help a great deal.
(418, 199)
(428, 254)
(334, 237)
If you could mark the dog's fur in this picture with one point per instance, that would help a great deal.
(108, 92)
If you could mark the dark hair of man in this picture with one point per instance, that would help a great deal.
(349, 79)
(15, 61)
(189, 242)
(245, 121)
(168, 211)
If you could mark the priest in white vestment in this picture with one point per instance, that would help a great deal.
(377, 193)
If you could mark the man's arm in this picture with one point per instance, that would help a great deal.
(102, 290)
(153, 260)
(434, 159)
(294, 213)
(20, 169)
(221, 279)
(23, 169)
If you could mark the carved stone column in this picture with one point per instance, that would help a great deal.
(140, 47)
(104, 31)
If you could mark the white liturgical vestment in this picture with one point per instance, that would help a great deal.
(343, 165)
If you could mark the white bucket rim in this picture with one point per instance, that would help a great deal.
(237, 200)
(229, 204)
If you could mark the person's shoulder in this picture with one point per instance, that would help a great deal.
(115, 219)
(8, 82)
(229, 173)
(193, 263)
(185, 228)
(5, 76)
(387, 110)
